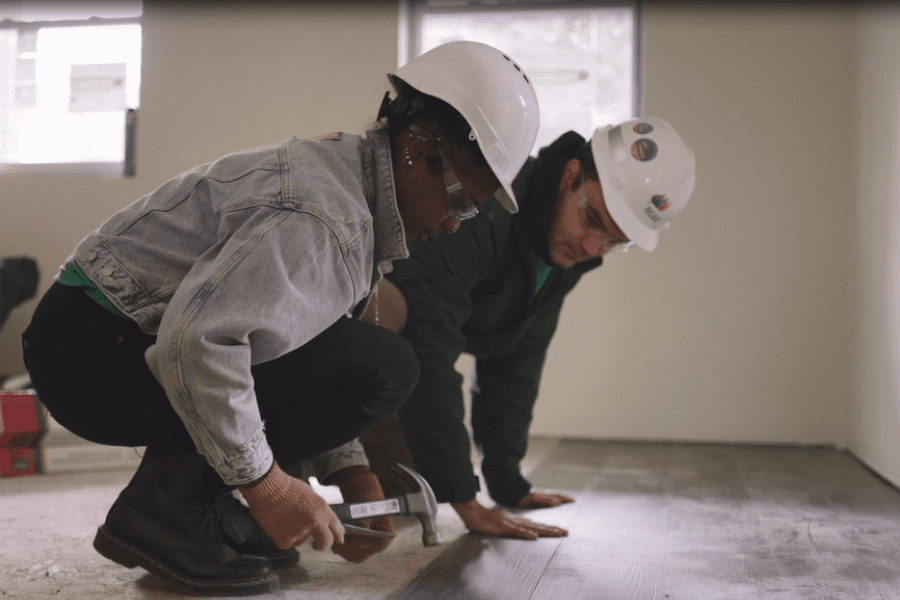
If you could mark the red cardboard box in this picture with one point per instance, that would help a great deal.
(21, 461)
(23, 420)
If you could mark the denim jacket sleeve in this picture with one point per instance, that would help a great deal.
(235, 263)
(234, 310)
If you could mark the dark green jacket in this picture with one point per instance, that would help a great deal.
(474, 292)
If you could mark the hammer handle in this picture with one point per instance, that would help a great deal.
(351, 511)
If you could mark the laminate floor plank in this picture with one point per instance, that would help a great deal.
(583, 580)
(660, 521)
(476, 567)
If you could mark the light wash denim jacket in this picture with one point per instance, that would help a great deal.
(240, 261)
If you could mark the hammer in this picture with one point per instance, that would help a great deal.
(422, 504)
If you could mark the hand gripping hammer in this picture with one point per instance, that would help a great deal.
(421, 503)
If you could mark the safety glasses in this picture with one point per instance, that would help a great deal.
(462, 206)
(593, 225)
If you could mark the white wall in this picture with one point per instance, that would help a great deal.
(875, 404)
(737, 327)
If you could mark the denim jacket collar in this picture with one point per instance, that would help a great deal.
(390, 237)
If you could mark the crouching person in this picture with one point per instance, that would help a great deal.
(212, 320)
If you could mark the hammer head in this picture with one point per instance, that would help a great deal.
(422, 504)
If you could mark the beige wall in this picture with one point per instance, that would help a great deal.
(738, 328)
(875, 404)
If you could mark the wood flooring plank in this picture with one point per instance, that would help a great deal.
(483, 568)
(586, 580)
(689, 521)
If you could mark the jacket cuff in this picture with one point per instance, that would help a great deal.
(506, 488)
(456, 491)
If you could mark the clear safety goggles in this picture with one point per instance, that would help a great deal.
(592, 225)
(462, 205)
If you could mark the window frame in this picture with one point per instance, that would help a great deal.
(115, 169)
(411, 11)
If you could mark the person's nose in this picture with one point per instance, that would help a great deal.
(593, 245)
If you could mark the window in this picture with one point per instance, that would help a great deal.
(583, 57)
(69, 87)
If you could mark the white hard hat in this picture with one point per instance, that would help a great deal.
(492, 93)
(647, 174)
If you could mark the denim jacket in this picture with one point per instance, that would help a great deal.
(238, 262)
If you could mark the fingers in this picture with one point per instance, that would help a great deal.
(511, 529)
(542, 500)
(547, 530)
(323, 539)
(337, 529)
(496, 523)
(289, 511)
(331, 533)
(537, 529)
(358, 548)
(538, 501)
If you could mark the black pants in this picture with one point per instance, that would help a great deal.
(87, 366)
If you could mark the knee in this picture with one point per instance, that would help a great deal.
(398, 366)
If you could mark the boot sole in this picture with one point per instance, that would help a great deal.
(284, 560)
(119, 551)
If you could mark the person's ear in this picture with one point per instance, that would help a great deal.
(570, 175)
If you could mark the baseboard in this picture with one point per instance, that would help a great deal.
(65, 452)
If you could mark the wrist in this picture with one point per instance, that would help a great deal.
(246, 486)
(466, 508)
(269, 490)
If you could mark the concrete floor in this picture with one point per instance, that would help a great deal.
(48, 523)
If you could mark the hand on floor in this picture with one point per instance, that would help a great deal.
(543, 500)
(495, 523)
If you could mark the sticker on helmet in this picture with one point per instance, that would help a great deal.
(661, 202)
(644, 149)
(643, 128)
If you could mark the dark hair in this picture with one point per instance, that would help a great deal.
(586, 157)
(410, 104)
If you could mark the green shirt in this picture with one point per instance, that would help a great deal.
(543, 270)
(72, 276)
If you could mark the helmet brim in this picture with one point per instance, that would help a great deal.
(483, 85)
(618, 208)
(506, 198)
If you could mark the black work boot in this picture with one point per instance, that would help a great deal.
(245, 536)
(166, 522)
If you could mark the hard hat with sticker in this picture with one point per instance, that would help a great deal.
(661, 202)
(644, 149)
(647, 175)
(492, 93)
